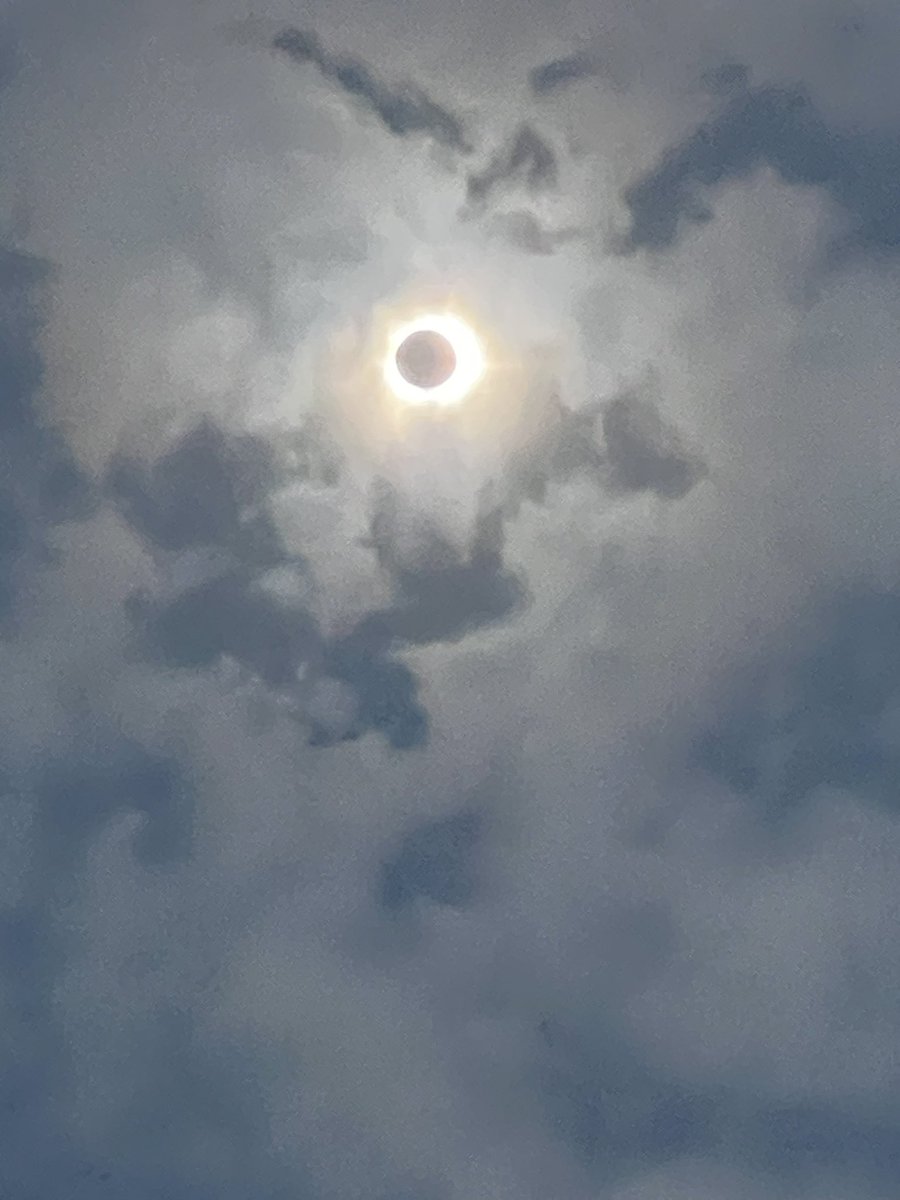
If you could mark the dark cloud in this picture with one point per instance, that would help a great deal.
(643, 453)
(781, 129)
(210, 493)
(617, 1113)
(40, 482)
(441, 593)
(403, 109)
(527, 160)
(623, 444)
(386, 692)
(563, 446)
(815, 719)
(622, 1114)
(560, 73)
(199, 493)
(73, 798)
(105, 775)
(434, 862)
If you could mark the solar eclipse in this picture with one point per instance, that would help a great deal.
(433, 359)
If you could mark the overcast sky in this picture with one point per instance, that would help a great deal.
(493, 804)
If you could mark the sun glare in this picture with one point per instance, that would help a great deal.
(467, 370)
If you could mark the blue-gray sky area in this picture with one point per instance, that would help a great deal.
(492, 802)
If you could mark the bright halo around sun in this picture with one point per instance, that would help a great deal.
(434, 359)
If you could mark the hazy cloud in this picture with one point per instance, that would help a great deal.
(524, 231)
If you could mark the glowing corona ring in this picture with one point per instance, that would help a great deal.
(469, 361)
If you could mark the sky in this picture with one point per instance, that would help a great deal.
(498, 802)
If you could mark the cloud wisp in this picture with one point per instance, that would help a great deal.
(404, 110)
(561, 73)
(527, 160)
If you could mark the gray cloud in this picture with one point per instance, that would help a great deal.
(524, 231)
(644, 453)
(527, 160)
(779, 128)
(564, 446)
(623, 444)
(820, 718)
(622, 926)
(404, 110)
(211, 492)
(200, 492)
(41, 483)
(441, 593)
(434, 862)
(560, 73)
(727, 78)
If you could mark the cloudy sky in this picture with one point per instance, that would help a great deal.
(493, 803)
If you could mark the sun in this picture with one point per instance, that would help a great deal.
(452, 356)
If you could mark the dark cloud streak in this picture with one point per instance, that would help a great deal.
(778, 128)
(403, 109)
(527, 160)
(560, 73)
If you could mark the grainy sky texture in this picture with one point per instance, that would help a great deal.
(499, 804)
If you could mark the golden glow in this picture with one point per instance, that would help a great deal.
(469, 361)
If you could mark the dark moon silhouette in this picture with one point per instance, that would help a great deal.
(426, 359)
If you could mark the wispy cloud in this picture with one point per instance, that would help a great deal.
(404, 109)
(560, 73)
(527, 160)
